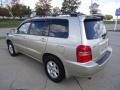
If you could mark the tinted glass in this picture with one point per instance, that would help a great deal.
(94, 29)
(39, 28)
(24, 28)
(59, 28)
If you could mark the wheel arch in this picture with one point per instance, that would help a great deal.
(47, 54)
(8, 41)
(66, 71)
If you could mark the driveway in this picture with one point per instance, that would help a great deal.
(24, 73)
(3, 31)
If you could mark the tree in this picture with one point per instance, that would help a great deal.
(108, 17)
(9, 10)
(1, 12)
(56, 11)
(13, 2)
(10, 4)
(70, 6)
(4, 12)
(94, 8)
(43, 7)
(28, 11)
(19, 10)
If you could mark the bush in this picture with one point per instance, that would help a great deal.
(8, 23)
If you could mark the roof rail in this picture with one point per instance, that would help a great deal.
(76, 14)
(72, 14)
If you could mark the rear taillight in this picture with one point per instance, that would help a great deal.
(84, 54)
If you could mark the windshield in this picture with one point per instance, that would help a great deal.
(94, 28)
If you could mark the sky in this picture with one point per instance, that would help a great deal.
(106, 6)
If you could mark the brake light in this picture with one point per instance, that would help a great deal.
(84, 54)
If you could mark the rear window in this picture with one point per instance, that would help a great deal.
(94, 28)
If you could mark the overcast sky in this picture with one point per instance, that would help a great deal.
(106, 6)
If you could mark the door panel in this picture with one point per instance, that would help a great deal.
(20, 38)
(20, 42)
(36, 46)
(37, 38)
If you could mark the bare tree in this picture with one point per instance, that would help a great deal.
(56, 11)
(94, 8)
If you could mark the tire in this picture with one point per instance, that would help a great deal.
(54, 68)
(11, 49)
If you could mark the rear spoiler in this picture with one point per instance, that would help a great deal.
(95, 16)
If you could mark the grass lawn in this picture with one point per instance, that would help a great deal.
(5, 23)
(111, 22)
(2, 38)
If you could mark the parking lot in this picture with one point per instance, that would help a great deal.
(24, 73)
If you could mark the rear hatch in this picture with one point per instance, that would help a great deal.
(96, 36)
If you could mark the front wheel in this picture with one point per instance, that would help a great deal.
(54, 69)
(11, 49)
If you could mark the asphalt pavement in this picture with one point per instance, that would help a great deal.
(24, 73)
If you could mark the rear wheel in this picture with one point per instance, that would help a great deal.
(11, 49)
(54, 68)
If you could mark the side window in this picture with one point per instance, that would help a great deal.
(59, 28)
(39, 28)
(24, 28)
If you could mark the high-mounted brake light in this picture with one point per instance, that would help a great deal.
(84, 54)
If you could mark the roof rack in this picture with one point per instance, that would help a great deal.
(76, 14)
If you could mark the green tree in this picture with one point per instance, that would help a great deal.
(70, 6)
(43, 7)
(28, 11)
(19, 10)
(108, 17)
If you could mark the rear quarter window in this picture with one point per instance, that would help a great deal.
(59, 28)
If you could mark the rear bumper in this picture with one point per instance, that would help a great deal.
(87, 69)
